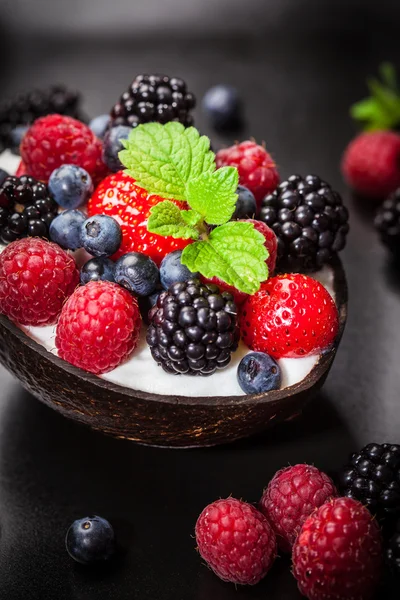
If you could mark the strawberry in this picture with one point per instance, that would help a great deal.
(119, 197)
(290, 316)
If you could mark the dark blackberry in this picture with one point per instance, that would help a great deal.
(309, 220)
(193, 329)
(26, 208)
(373, 477)
(387, 222)
(154, 98)
(393, 551)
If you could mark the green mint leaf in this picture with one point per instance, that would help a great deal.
(387, 72)
(191, 217)
(234, 252)
(166, 219)
(213, 195)
(163, 158)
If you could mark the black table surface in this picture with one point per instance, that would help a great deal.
(297, 85)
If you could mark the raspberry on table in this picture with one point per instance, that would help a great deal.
(36, 277)
(257, 169)
(236, 541)
(338, 552)
(98, 327)
(291, 496)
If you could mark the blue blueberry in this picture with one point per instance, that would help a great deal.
(70, 186)
(246, 205)
(222, 105)
(3, 175)
(137, 273)
(101, 235)
(90, 540)
(16, 136)
(97, 269)
(65, 229)
(112, 145)
(172, 270)
(258, 372)
(99, 125)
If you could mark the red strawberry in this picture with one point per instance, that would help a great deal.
(290, 316)
(118, 196)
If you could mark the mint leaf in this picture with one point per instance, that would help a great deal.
(213, 195)
(167, 219)
(191, 217)
(234, 252)
(388, 74)
(163, 158)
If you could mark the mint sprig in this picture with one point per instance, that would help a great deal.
(175, 162)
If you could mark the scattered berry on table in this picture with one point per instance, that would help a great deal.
(173, 271)
(26, 208)
(393, 551)
(257, 169)
(16, 137)
(222, 105)
(338, 552)
(193, 329)
(99, 125)
(65, 229)
(70, 186)
(90, 540)
(236, 541)
(101, 235)
(56, 140)
(257, 373)
(118, 196)
(373, 477)
(309, 220)
(291, 496)
(36, 277)
(137, 273)
(387, 222)
(371, 164)
(112, 145)
(154, 98)
(290, 316)
(246, 205)
(98, 327)
(97, 269)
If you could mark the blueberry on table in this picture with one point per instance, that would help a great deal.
(222, 105)
(173, 271)
(70, 186)
(258, 373)
(246, 205)
(137, 273)
(97, 269)
(112, 145)
(90, 540)
(65, 229)
(99, 125)
(101, 235)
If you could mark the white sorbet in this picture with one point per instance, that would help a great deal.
(142, 373)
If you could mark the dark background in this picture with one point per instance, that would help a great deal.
(298, 65)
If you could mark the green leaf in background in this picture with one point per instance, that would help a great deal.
(213, 195)
(167, 219)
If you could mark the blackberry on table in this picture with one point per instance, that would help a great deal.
(26, 209)
(387, 222)
(373, 477)
(193, 329)
(154, 98)
(309, 220)
(393, 551)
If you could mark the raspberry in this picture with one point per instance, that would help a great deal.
(257, 170)
(98, 327)
(371, 163)
(291, 497)
(236, 541)
(338, 553)
(36, 277)
(56, 140)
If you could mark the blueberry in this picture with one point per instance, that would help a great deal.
(101, 235)
(97, 269)
(16, 136)
(137, 273)
(258, 372)
(222, 105)
(90, 540)
(172, 270)
(246, 205)
(3, 175)
(99, 125)
(112, 145)
(65, 229)
(70, 186)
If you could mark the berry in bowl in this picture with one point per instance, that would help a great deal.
(157, 308)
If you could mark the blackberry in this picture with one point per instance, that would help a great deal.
(373, 477)
(154, 98)
(393, 551)
(193, 329)
(387, 222)
(26, 208)
(309, 220)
